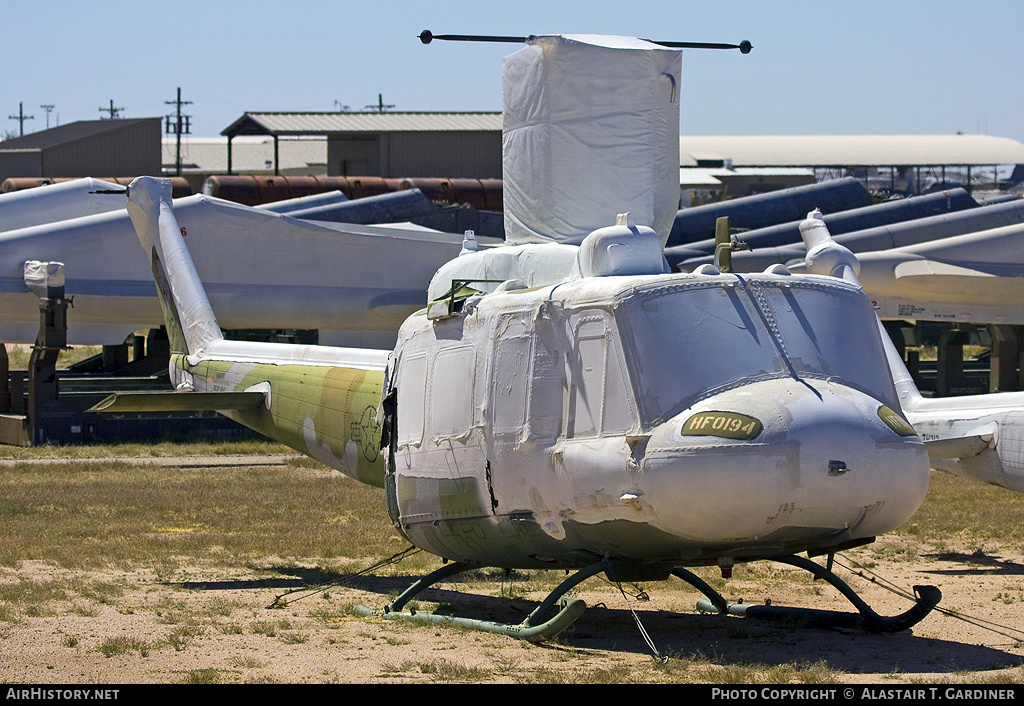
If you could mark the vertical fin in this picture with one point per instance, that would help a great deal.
(191, 324)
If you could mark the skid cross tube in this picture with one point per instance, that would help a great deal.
(531, 629)
(866, 619)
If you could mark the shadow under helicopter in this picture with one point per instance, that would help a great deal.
(975, 563)
(715, 639)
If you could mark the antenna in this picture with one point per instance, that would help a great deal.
(426, 36)
(21, 118)
(179, 126)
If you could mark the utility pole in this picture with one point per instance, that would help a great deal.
(380, 107)
(114, 112)
(48, 108)
(179, 126)
(21, 118)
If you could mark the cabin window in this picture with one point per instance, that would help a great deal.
(618, 415)
(599, 402)
(691, 341)
(547, 391)
(451, 395)
(588, 383)
(831, 332)
(511, 383)
(412, 387)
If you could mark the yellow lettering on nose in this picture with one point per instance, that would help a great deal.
(728, 425)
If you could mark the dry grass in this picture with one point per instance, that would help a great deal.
(109, 513)
(18, 355)
(959, 510)
(164, 449)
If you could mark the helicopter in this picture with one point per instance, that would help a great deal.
(564, 401)
(614, 418)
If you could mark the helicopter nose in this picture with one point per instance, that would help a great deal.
(778, 461)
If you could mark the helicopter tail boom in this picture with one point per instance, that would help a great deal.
(320, 400)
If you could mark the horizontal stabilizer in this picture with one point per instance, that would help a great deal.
(958, 447)
(178, 401)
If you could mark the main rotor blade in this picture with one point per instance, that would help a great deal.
(426, 36)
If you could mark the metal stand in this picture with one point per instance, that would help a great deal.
(43, 405)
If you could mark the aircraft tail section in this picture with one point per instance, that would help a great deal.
(319, 400)
(191, 324)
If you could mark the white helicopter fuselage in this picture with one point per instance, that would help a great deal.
(677, 419)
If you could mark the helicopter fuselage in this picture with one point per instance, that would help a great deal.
(577, 407)
(657, 419)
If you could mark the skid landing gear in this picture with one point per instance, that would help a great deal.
(531, 629)
(535, 629)
(866, 619)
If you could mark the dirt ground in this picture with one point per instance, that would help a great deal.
(214, 625)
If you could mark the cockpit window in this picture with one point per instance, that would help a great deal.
(693, 339)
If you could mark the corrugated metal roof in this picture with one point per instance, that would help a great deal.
(324, 123)
(71, 132)
(852, 150)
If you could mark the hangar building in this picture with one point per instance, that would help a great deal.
(96, 148)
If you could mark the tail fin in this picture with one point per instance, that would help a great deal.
(191, 324)
(827, 257)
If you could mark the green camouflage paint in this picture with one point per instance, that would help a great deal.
(326, 412)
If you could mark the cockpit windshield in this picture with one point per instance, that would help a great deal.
(688, 340)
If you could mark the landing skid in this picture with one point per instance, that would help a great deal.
(533, 629)
(865, 619)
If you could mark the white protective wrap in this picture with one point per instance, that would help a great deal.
(591, 130)
(57, 202)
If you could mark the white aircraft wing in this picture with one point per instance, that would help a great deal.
(962, 446)
(968, 278)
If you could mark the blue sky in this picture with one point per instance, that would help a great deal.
(907, 67)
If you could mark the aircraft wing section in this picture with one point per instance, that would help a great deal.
(925, 268)
(966, 446)
(179, 402)
(947, 281)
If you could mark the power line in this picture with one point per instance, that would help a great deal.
(21, 118)
(181, 125)
(114, 112)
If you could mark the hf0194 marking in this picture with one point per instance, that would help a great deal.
(729, 425)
